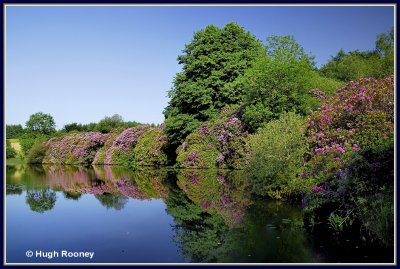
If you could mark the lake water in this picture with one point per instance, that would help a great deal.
(159, 216)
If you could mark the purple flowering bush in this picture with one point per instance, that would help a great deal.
(100, 156)
(218, 143)
(121, 151)
(351, 140)
(74, 148)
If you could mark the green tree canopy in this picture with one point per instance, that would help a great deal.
(357, 64)
(286, 49)
(14, 131)
(212, 62)
(41, 123)
(41, 200)
(278, 82)
(109, 123)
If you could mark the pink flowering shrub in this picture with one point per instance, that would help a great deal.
(100, 156)
(359, 117)
(74, 148)
(220, 143)
(121, 150)
(351, 161)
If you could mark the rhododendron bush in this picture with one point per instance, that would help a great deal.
(221, 143)
(150, 148)
(351, 139)
(139, 145)
(74, 148)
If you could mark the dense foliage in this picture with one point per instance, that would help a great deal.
(355, 64)
(218, 143)
(150, 148)
(41, 123)
(351, 137)
(10, 151)
(281, 82)
(74, 148)
(277, 157)
(211, 63)
(37, 153)
(14, 131)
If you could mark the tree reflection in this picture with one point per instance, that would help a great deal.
(216, 221)
(111, 201)
(41, 200)
(72, 195)
(198, 233)
(13, 189)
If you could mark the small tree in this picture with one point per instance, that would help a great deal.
(109, 123)
(41, 123)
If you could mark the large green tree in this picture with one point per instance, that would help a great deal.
(279, 82)
(211, 63)
(41, 123)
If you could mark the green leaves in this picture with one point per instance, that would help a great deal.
(41, 123)
(355, 64)
(212, 62)
(278, 151)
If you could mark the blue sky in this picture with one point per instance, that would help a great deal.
(83, 63)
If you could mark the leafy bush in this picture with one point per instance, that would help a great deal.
(27, 140)
(351, 160)
(100, 156)
(178, 127)
(10, 151)
(121, 150)
(37, 153)
(220, 142)
(77, 148)
(277, 156)
(149, 150)
(197, 152)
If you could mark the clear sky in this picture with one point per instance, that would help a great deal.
(83, 63)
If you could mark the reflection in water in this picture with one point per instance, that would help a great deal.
(112, 201)
(41, 200)
(215, 219)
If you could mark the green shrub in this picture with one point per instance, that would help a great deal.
(277, 156)
(37, 153)
(197, 152)
(149, 150)
(179, 126)
(10, 151)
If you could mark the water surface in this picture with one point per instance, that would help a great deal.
(158, 216)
